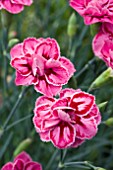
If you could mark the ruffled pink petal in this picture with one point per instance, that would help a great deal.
(98, 43)
(107, 53)
(82, 102)
(68, 65)
(12, 7)
(47, 89)
(8, 166)
(30, 44)
(68, 92)
(18, 165)
(33, 166)
(25, 80)
(77, 143)
(86, 129)
(60, 103)
(22, 2)
(94, 113)
(78, 5)
(17, 51)
(42, 111)
(64, 116)
(45, 136)
(43, 100)
(21, 65)
(38, 65)
(63, 136)
(49, 48)
(49, 124)
(23, 156)
(43, 119)
(55, 73)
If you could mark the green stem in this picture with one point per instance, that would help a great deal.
(51, 160)
(4, 53)
(85, 163)
(17, 122)
(15, 107)
(85, 67)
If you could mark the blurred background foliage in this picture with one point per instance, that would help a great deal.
(50, 19)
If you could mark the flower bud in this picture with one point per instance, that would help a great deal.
(22, 146)
(100, 168)
(72, 25)
(109, 122)
(12, 42)
(1, 132)
(12, 34)
(103, 105)
(102, 79)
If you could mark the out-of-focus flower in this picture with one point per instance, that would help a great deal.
(103, 44)
(67, 121)
(14, 6)
(38, 62)
(94, 11)
(22, 162)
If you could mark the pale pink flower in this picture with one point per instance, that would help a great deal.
(14, 6)
(38, 62)
(94, 11)
(22, 162)
(103, 44)
(67, 121)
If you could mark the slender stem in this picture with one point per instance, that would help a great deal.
(61, 155)
(51, 160)
(4, 52)
(17, 122)
(15, 107)
(87, 164)
(85, 67)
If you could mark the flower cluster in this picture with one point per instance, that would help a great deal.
(67, 121)
(22, 162)
(14, 6)
(94, 11)
(38, 62)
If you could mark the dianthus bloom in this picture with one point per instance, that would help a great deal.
(103, 44)
(22, 162)
(67, 121)
(14, 6)
(94, 11)
(38, 62)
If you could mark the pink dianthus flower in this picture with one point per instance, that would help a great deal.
(22, 162)
(103, 44)
(38, 62)
(94, 11)
(67, 121)
(14, 6)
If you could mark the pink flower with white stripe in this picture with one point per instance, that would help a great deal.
(22, 162)
(94, 11)
(38, 62)
(103, 44)
(14, 6)
(67, 121)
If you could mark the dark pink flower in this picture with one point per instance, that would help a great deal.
(67, 121)
(14, 6)
(94, 11)
(38, 62)
(22, 162)
(103, 44)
